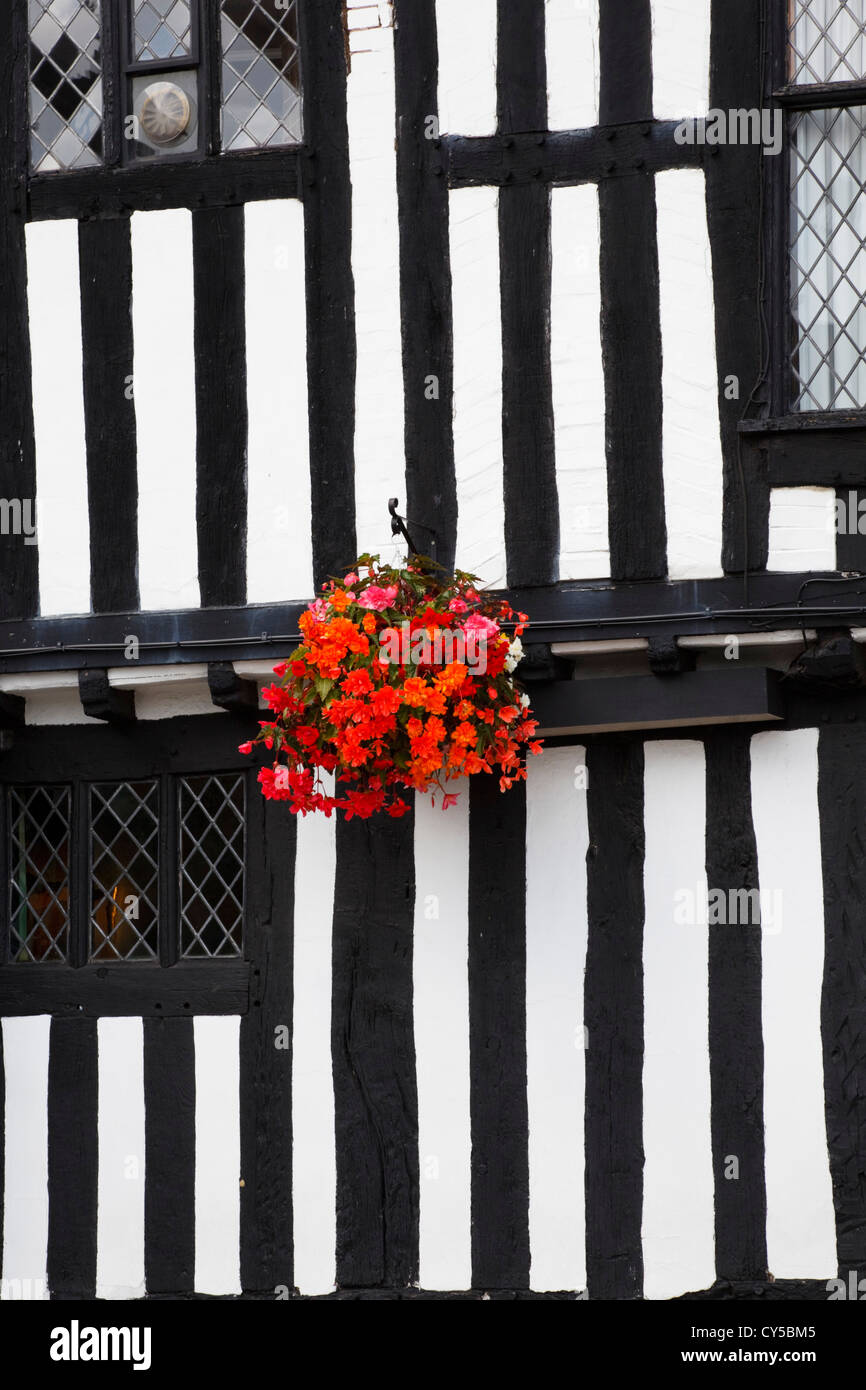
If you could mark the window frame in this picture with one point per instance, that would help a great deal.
(169, 986)
(207, 178)
(793, 99)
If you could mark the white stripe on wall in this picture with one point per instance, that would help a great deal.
(164, 386)
(441, 1017)
(314, 1160)
(578, 384)
(120, 1228)
(802, 529)
(557, 840)
(467, 66)
(279, 546)
(573, 65)
(379, 444)
(25, 1213)
(217, 1155)
(54, 304)
(474, 218)
(801, 1233)
(681, 58)
(678, 1228)
(691, 435)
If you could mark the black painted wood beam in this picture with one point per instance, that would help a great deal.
(105, 260)
(11, 711)
(19, 583)
(735, 1029)
(221, 405)
(169, 1165)
(107, 193)
(425, 281)
(126, 989)
(528, 446)
(73, 1159)
(617, 703)
(567, 157)
(331, 348)
(100, 700)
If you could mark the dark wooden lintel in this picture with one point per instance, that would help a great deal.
(230, 691)
(100, 700)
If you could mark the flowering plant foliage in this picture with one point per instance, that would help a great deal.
(402, 681)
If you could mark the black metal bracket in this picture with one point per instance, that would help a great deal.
(398, 528)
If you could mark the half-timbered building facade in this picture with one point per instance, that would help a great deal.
(583, 283)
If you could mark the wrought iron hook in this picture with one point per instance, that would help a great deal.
(398, 528)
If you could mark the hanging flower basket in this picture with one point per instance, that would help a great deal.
(403, 681)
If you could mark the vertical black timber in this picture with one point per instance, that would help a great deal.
(497, 1036)
(19, 579)
(630, 314)
(105, 261)
(5, 875)
(625, 51)
(736, 1038)
(850, 543)
(72, 1157)
(2, 1142)
(266, 1048)
(842, 806)
(531, 500)
(613, 1016)
(373, 1050)
(331, 350)
(734, 175)
(169, 1190)
(221, 404)
(632, 356)
(425, 281)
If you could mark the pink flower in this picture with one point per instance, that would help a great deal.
(478, 623)
(457, 605)
(350, 580)
(378, 598)
(319, 609)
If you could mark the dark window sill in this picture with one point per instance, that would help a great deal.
(124, 990)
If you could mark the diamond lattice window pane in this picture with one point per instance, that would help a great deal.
(124, 870)
(65, 85)
(828, 260)
(161, 29)
(211, 817)
(39, 836)
(261, 81)
(827, 41)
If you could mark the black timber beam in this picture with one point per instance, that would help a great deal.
(802, 452)
(121, 991)
(11, 711)
(100, 700)
(614, 704)
(230, 691)
(567, 156)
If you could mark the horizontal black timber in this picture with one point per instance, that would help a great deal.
(184, 745)
(748, 695)
(807, 458)
(567, 612)
(820, 95)
(218, 181)
(125, 990)
(567, 156)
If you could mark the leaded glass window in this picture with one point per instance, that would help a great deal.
(827, 209)
(124, 872)
(261, 83)
(161, 29)
(211, 817)
(39, 853)
(147, 871)
(65, 84)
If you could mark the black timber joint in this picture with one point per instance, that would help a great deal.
(230, 691)
(100, 700)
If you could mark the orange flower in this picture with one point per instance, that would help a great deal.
(465, 733)
(434, 701)
(340, 600)
(368, 622)
(414, 690)
(452, 677)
